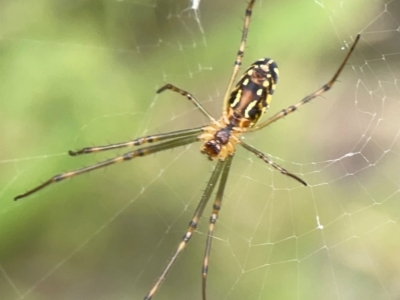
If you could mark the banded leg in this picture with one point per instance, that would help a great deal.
(189, 96)
(239, 57)
(213, 220)
(125, 157)
(308, 98)
(192, 226)
(270, 162)
(139, 141)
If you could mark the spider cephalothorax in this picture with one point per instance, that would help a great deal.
(219, 139)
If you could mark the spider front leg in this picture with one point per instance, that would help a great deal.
(213, 220)
(270, 162)
(192, 225)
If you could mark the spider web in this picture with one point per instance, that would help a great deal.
(83, 73)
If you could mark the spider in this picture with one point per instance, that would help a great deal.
(242, 106)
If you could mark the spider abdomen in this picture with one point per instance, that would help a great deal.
(252, 94)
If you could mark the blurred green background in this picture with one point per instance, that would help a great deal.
(82, 73)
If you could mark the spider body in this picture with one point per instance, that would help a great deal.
(247, 102)
(243, 105)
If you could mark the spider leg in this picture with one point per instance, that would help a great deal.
(192, 225)
(125, 157)
(239, 57)
(189, 96)
(270, 162)
(308, 98)
(213, 220)
(139, 141)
